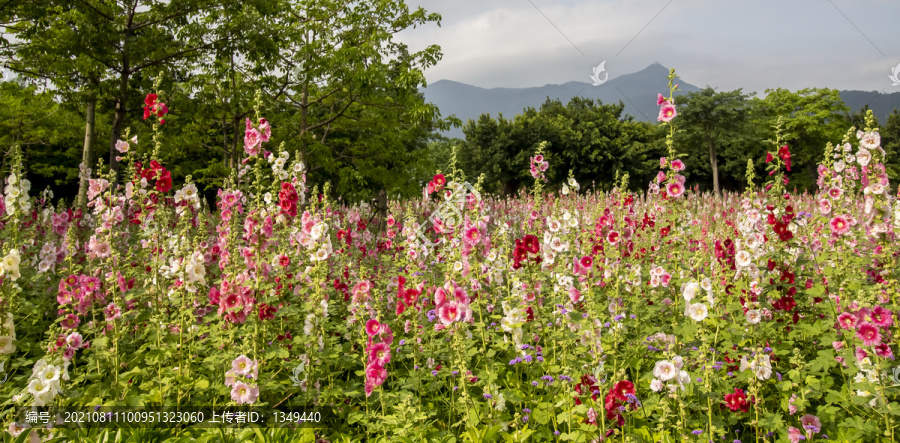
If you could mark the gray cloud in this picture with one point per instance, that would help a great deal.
(753, 45)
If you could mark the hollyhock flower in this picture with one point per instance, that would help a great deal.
(737, 401)
(882, 317)
(869, 334)
(860, 354)
(847, 320)
(656, 385)
(660, 99)
(811, 423)
(884, 351)
(244, 394)
(839, 225)
(380, 354)
(448, 312)
(376, 373)
(586, 261)
(660, 177)
(664, 370)
(754, 316)
(612, 237)
(666, 112)
(863, 157)
(372, 327)
(743, 259)
(677, 165)
(242, 365)
(785, 154)
(794, 435)
(690, 290)
(698, 311)
(674, 190)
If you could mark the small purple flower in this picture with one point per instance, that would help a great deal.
(540, 359)
(697, 432)
(606, 325)
(618, 317)
(555, 432)
(730, 373)
(455, 388)
(434, 373)
(584, 315)
(528, 358)
(416, 368)
(535, 383)
(402, 342)
(633, 317)
(455, 373)
(778, 374)
(513, 362)
(526, 410)
(487, 396)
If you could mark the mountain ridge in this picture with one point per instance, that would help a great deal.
(636, 90)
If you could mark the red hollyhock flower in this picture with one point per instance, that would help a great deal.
(531, 244)
(622, 388)
(785, 154)
(164, 183)
(737, 401)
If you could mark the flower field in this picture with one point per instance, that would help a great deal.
(557, 315)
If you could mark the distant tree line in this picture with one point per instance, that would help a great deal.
(719, 132)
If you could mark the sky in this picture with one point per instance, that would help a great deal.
(726, 44)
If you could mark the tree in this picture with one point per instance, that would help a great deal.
(713, 120)
(890, 142)
(812, 118)
(99, 47)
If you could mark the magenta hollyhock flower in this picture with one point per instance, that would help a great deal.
(675, 190)
(847, 320)
(667, 112)
(587, 261)
(660, 177)
(678, 165)
(380, 354)
(884, 351)
(472, 235)
(612, 237)
(839, 225)
(882, 317)
(860, 354)
(376, 373)
(372, 327)
(869, 334)
(660, 99)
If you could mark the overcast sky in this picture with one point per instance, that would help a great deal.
(727, 44)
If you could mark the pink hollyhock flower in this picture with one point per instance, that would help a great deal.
(71, 322)
(370, 386)
(660, 99)
(587, 261)
(660, 177)
(839, 225)
(380, 354)
(678, 165)
(869, 334)
(882, 317)
(667, 112)
(244, 394)
(69, 353)
(675, 190)
(472, 236)
(242, 365)
(794, 435)
(811, 423)
(112, 312)
(860, 354)
(75, 340)
(662, 162)
(847, 320)
(448, 312)
(252, 139)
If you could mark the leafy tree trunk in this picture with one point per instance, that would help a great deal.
(119, 118)
(714, 164)
(89, 138)
(382, 207)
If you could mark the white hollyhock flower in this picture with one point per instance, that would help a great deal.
(754, 316)
(699, 311)
(743, 258)
(690, 290)
(656, 385)
(664, 370)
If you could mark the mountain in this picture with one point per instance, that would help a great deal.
(880, 104)
(636, 90)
